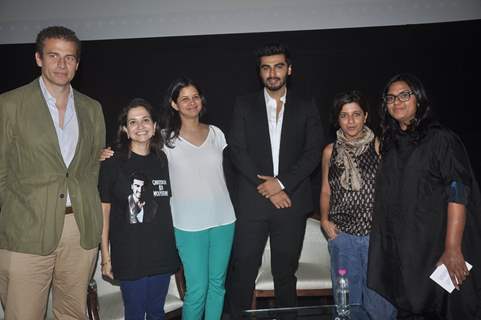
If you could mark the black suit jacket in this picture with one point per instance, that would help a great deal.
(250, 152)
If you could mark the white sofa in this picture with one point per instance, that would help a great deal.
(313, 274)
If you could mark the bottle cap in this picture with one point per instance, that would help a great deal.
(342, 271)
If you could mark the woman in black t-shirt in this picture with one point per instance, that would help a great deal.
(138, 245)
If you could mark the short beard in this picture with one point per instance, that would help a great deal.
(275, 88)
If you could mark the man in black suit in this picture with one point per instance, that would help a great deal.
(275, 144)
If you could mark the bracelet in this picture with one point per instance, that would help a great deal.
(106, 262)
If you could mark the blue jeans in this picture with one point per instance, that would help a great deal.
(351, 252)
(145, 297)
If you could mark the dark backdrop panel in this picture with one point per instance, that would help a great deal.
(326, 62)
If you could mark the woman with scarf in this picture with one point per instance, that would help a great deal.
(349, 168)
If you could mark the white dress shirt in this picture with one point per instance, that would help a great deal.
(69, 134)
(275, 128)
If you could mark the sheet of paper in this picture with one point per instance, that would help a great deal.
(441, 277)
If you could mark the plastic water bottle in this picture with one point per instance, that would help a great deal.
(342, 293)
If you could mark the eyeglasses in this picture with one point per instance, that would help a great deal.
(403, 97)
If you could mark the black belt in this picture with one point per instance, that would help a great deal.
(68, 210)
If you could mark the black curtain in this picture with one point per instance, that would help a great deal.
(445, 56)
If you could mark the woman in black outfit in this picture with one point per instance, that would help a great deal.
(427, 211)
(138, 245)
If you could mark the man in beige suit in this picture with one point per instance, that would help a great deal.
(50, 218)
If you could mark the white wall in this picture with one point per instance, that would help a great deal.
(20, 20)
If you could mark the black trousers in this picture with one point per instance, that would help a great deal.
(286, 232)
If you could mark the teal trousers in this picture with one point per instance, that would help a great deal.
(205, 255)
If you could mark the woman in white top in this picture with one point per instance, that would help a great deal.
(202, 211)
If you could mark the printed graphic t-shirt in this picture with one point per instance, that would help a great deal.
(141, 233)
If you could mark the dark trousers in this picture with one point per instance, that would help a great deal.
(144, 298)
(286, 232)
(410, 316)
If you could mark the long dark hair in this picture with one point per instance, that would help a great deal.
(422, 120)
(122, 142)
(171, 118)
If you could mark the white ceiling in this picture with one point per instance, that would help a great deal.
(20, 20)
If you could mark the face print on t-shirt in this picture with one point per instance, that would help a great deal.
(142, 208)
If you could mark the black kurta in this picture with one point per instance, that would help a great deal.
(410, 221)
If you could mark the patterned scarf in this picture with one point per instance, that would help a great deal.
(347, 150)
